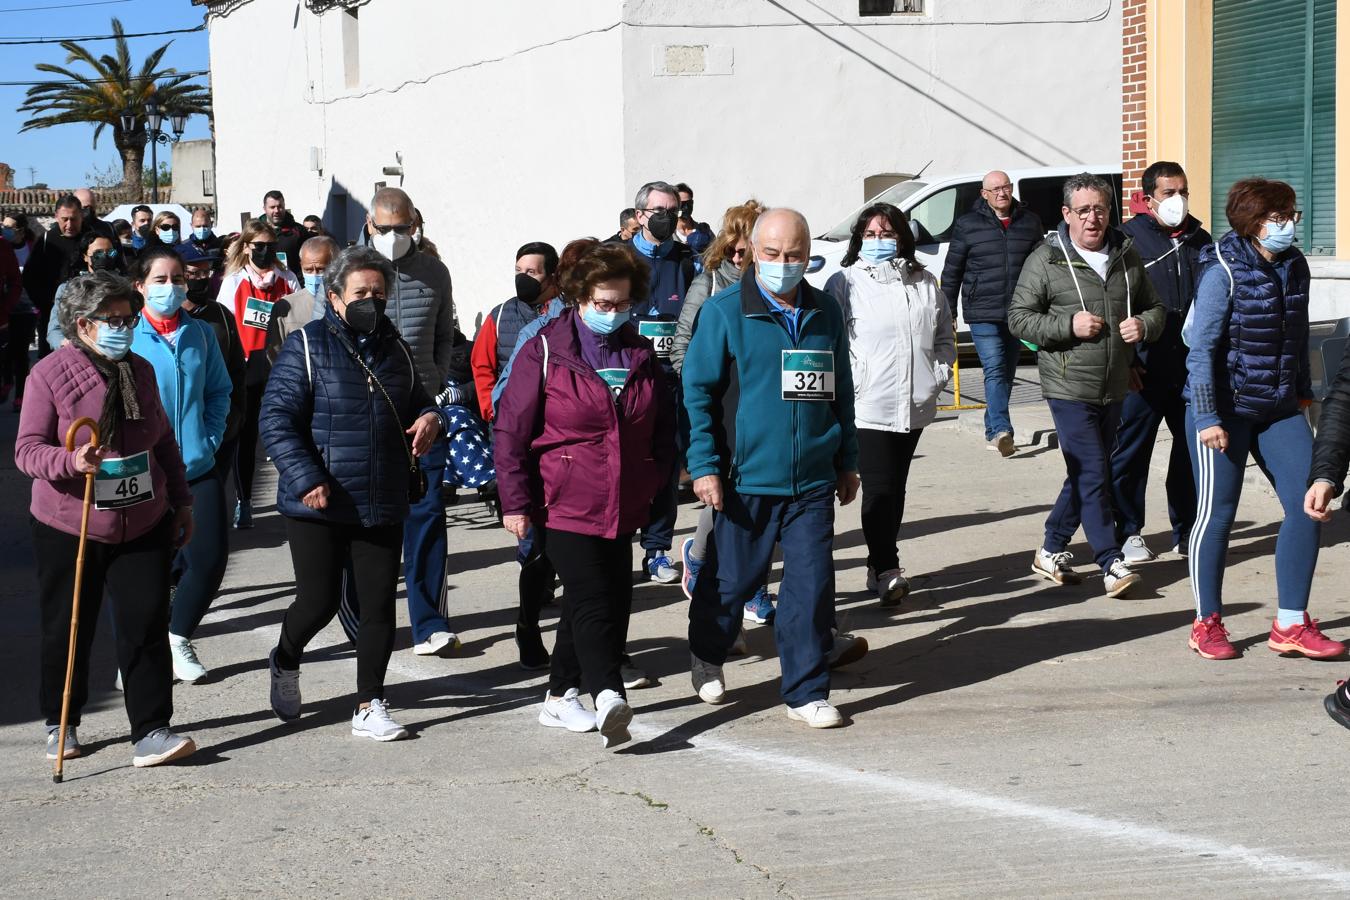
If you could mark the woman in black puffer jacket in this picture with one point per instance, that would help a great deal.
(342, 395)
(1326, 480)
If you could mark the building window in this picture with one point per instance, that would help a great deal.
(351, 48)
(1274, 108)
(889, 7)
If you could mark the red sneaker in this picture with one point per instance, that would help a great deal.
(1306, 639)
(1210, 639)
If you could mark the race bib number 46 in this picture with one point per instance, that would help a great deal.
(257, 313)
(808, 374)
(661, 334)
(123, 482)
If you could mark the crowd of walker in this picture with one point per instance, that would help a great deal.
(620, 372)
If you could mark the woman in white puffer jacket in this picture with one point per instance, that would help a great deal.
(901, 347)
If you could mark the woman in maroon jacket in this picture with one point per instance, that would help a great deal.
(584, 438)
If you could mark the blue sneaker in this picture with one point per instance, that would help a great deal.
(759, 608)
(691, 567)
(660, 569)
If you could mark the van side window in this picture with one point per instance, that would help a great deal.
(1045, 197)
(934, 217)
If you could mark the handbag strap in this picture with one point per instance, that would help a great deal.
(412, 461)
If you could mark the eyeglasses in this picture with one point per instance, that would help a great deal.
(1087, 212)
(1001, 189)
(880, 235)
(660, 209)
(117, 323)
(605, 306)
(1280, 218)
(396, 229)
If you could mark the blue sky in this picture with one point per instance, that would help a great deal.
(64, 154)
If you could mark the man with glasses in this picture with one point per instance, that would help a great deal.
(1085, 299)
(672, 271)
(422, 308)
(988, 247)
(1169, 240)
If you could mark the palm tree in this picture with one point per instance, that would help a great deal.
(102, 96)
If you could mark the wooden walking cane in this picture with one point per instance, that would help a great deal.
(79, 578)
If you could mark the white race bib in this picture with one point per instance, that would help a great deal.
(123, 482)
(661, 334)
(257, 313)
(808, 374)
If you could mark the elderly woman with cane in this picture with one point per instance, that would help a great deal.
(142, 511)
(344, 418)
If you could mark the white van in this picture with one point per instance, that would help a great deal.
(933, 205)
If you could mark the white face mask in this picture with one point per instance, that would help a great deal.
(392, 245)
(1172, 211)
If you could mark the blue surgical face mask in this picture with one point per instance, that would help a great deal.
(780, 278)
(201, 233)
(168, 236)
(314, 284)
(1278, 237)
(602, 322)
(879, 250)
(113, 342)
(165, 299)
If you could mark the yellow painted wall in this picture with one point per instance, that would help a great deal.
(1180, 85)
(1342, 128)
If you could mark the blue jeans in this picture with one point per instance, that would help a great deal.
(998, 351)
(1283, 450)
(1087, 432)
(201, 562)
(737, 564)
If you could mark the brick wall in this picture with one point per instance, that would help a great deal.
(1134, 63)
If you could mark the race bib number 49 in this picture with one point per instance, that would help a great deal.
(808, 374)
(661, 334)
(257, 313)
(123, 482)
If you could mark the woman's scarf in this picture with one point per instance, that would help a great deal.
(119, 403)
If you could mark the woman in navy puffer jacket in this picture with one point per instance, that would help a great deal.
(342, 395)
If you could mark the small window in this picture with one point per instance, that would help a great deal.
(934, 217)
(889, 7)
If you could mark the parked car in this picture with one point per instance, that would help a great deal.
(934, 203)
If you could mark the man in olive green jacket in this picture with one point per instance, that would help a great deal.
(1085, 300)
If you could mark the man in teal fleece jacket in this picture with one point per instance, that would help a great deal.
(769, 393)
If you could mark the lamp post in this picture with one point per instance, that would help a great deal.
(154, 121)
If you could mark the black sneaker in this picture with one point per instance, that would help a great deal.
(1338, 705)
(533, 655)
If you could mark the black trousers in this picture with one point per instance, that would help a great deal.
(883, 466)
(247, 455)
(22, 327)
(136, 576)
(597, 600)
(319, 551)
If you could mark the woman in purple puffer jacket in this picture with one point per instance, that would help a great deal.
(142, 511)
(584, 439)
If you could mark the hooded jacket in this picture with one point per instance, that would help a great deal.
(707, 284)
(1055, 284)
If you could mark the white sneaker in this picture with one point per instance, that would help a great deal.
(438, 644)
(633, 677)
(117, 682)
(1182, 548)
(1136, 551)
(374, 722)
(566, 712)
(1119, 579)
(186, 666)
(817, 714)
(285, 694)
(1055, 566)
(612, 716)
(848, 648)
(892, 587)
(871, 580)
(707, 680)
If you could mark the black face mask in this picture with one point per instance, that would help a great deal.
(199, 289)
(661, 224)
(263, 259)
(364, 315)
(527, 288)
(144, 230)
(687, 208)
(105, 261)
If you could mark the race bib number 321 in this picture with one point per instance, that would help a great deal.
(808, 374)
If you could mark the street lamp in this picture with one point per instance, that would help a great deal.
(154, 121)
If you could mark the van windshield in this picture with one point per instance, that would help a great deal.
(894, 195)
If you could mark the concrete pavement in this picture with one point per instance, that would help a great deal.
(1006, 738)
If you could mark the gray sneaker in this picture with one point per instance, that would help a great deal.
(285, 689)
(53, 738)
(162, 746)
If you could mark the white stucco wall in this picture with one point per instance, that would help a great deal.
(190, 160)
(537, 120)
